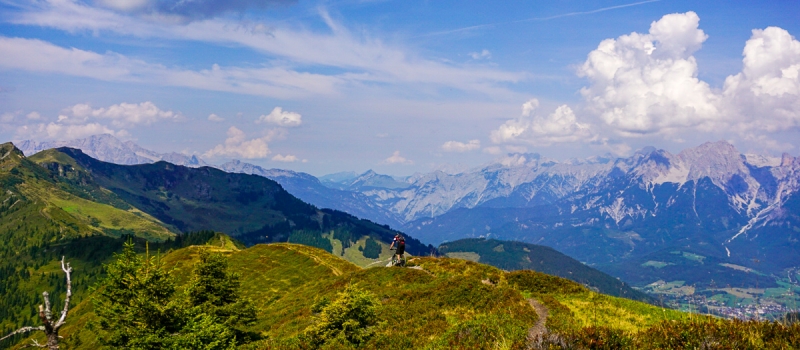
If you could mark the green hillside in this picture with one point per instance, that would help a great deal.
(438, 304)
(251, 208)
(510, 255)
(38, 212)
(443, 303)
(49, 200)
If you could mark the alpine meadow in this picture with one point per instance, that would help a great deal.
(351, 174)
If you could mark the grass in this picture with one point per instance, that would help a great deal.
(105, 218)
(594, 309)
(471, 256)
(441, 303)
(445, 304)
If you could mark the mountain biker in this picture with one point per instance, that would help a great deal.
(401, 246)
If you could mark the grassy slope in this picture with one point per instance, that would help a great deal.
(511, 255)
(443, 304)
(37, 213)
(251, 208)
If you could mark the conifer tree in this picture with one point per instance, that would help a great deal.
(138, 308)
(216, 291)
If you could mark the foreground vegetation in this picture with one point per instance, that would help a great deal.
(306, 298)
(301, 297)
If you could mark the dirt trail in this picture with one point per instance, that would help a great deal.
(538, 330)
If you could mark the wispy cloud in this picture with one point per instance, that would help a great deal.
(364, 59)
(536, 19)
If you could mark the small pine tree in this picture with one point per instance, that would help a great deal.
(215, 290)
(349, 318)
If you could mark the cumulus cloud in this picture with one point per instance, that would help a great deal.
(396, 158)
(768, 88)
(237, 145)
(538, 130)
(647, 83)
(287, 158)
(281, 118)
(215, 118)
(59, 131)
(120, 115)
(455, 146)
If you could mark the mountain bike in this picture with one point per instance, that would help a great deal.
(396, 261)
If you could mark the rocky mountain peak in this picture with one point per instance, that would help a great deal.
(788, 160)
(10, 152)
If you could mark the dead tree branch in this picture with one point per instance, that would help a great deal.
(46, 315)
(22, 330)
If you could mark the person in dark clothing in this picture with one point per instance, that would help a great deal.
(400, 242)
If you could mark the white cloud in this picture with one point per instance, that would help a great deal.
(396, 158)
(59, 131)
(281, 118)
(530, 128)
(455, 146)
(237, 145)
(492, 150)
(766, 94)
(516, 149)
(279, 82)
(484, 54)
(364, 58)
(215, 118)
(120, 115)
(9, 117)
(287, 158)
(647, 83)
(33, 116)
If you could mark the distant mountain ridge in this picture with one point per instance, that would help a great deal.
(612, 213)
(110, 149)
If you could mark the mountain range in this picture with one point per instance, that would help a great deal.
(63, 202)
(622, 215)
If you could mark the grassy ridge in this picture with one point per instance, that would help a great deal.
(440, 303)
(511, 255)
(443, 303)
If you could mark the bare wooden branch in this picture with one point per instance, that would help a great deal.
(22, 330)
(67, 270)
(45, 314)
(33, 344)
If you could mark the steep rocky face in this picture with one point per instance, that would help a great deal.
(751, 185)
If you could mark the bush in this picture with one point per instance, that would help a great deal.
(349, 319)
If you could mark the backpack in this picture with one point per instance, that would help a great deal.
(401, 242)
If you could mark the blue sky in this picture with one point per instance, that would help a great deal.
(401, 86)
